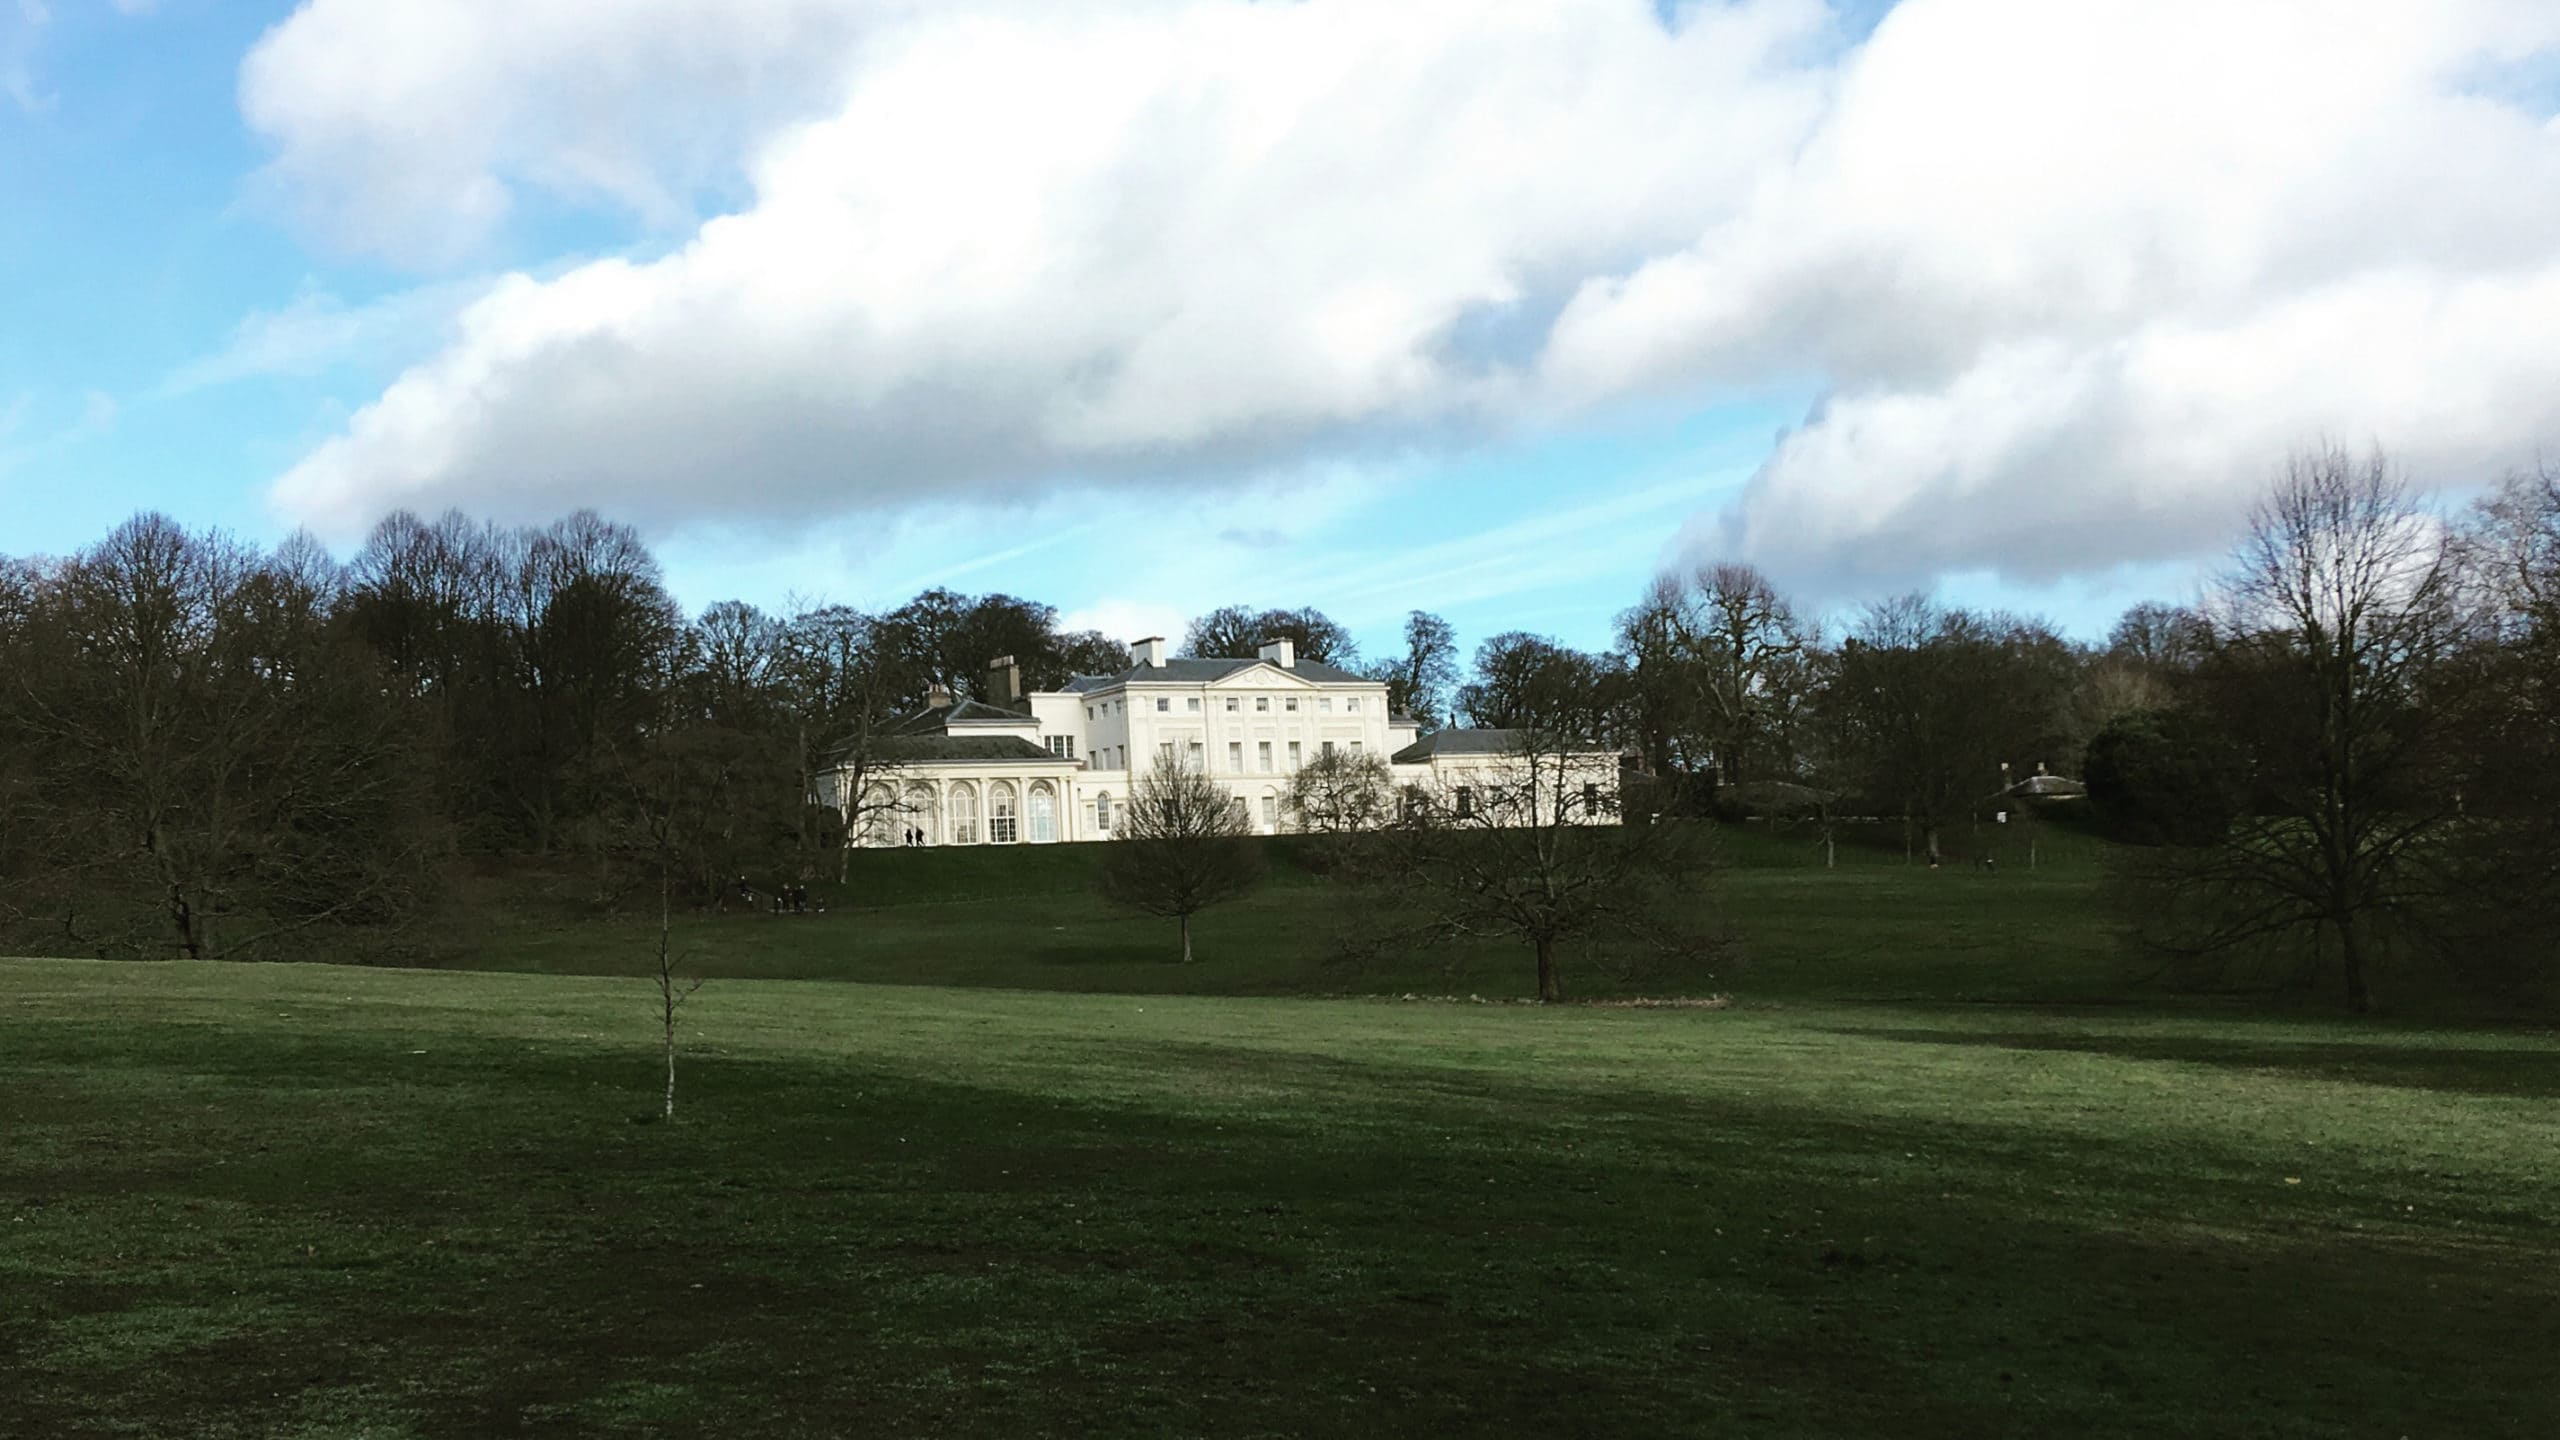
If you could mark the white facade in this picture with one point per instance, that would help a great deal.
(1248, 724)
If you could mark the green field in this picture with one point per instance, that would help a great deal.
(1872, 928)
(307, 1201)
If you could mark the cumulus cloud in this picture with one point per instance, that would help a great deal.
(1095, 241)
(2075, 278)
(2070, 277)
(413, 131)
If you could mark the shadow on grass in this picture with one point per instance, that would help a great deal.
(2411, 1064)
(1158, 1238)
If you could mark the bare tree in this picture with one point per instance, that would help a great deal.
(861, 780)
(1529, 682)
(674, 988)
(1423, 681)
(1528, 846)
(2506, 846)
(2511, 550)
(1339, 793)
(739, 654)
(2149, 660)
(663, 796)
(1233, 632)
(1180, 846)
(1340, 801)
(1743, 647)
(2328, 670)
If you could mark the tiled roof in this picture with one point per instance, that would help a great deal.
(918, 749)
(1460, 742)
(1479, 742)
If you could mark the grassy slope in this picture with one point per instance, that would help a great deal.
(305, 1201)
(1874, 927)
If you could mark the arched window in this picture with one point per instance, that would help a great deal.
(1044, 813)
(1102, 812)
(1002, 825)
(881, 819)
(964, 813)
(921, 824)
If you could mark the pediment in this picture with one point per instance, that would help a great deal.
(1263, 677)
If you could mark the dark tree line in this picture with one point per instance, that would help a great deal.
(2343, 758)
(209, 750)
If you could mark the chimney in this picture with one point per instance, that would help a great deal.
(1283, 653)
(935, 696)
(1004, 683)
(1148, 652)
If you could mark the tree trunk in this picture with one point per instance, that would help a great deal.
(2351, 959)
(1186, 939)
(1550, 979)
(808, 782)
(183, 916)
(667, 990)
(178, 921)
(672, 1067)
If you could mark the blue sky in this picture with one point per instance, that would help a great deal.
(1144, 306)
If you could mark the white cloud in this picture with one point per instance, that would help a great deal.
(2076, 277)
(24, 28)
(411, 130)
(1128, 620)
(2072, 276)
(316, 331)
(1096, 241)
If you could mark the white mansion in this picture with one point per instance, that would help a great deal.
(1052, 766)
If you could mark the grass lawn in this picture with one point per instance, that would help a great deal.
(1028, 917)
(307, 1201)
